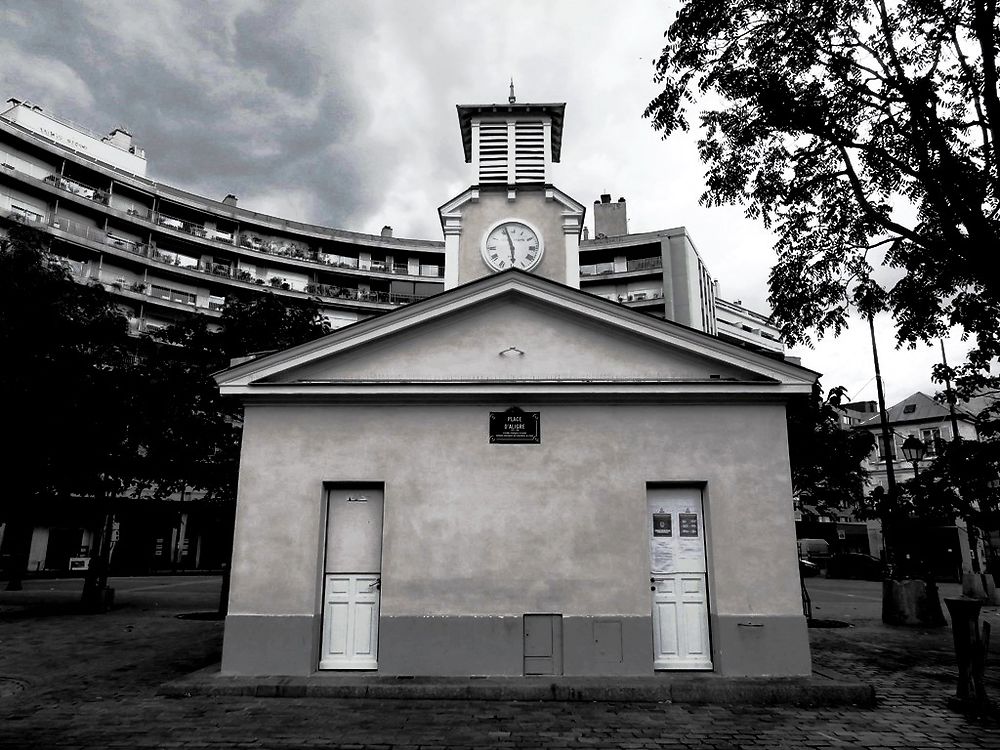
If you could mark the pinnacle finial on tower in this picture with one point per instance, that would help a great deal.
(511, 98)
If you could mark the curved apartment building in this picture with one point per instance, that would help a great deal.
(165, 252)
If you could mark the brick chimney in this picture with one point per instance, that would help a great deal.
(387, 231)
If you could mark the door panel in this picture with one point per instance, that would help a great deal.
(679, 578)
(350, 622)
(354, 530)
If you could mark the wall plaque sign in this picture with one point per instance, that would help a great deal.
(515, 426)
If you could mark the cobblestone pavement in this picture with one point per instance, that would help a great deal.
(90, 681)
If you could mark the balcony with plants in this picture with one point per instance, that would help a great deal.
(278, 247)
(332, 292)
(78, 188)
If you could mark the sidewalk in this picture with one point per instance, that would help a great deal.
(92, 681)
(660, 688)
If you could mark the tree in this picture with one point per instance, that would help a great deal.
(196, 443)
(99, 414)
(867, 135)
(962, 481)
(826, 460)
(69, 386)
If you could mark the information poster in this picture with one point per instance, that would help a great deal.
(675, 526)
(688, 523)
(662, 542)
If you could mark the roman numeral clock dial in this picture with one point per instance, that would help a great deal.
(512, 244)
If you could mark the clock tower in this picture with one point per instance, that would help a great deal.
(512, 216)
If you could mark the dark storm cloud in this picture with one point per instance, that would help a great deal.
(262, 43)
(224, 98)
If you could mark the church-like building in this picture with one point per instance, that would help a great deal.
(166, 254)
(515, 476)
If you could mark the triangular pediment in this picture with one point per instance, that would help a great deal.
(513, 337)
(515, 330)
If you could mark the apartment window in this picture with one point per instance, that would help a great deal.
(162, 292)
(26, 214)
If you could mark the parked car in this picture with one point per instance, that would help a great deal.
(809, 548)
(854, 565)
(807, 568)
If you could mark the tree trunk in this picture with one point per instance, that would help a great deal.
(227, 535)
(18, 536)
(97, 595)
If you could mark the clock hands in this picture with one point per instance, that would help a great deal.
(510, 242)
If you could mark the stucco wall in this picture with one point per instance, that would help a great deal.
(477, 529)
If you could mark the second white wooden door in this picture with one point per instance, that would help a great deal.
(352, 583)
(678, 579)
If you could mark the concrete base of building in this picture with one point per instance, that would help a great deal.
(703, 688)
(269, 644)
(750, 645)
(440, 646)
(429, 646)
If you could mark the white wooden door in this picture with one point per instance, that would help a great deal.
(352, 583)
(678, 575)
(350, 622)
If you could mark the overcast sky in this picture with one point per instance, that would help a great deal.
(343, 114)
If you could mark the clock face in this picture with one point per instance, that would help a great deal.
(512, 244)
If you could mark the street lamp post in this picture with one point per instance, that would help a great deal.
(913, 451)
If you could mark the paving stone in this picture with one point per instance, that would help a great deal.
(90, 681)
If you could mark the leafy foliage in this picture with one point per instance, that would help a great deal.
(963, 481)
(100, 413)
(826, 460)
(71, 381)
(867, 135)
(197, 441)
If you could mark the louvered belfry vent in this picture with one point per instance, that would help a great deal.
(513, 143)
(493, 152)
(529, 151)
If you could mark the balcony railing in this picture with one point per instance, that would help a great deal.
(326, 291)
(252, 242)
(645, 264)
(638, 264)
(597, 269)
(644, 296)
(78, 188)
(329, 291)
(26, 215)
(403, 269)
(285, 250)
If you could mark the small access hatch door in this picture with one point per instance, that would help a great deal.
(542, 644)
